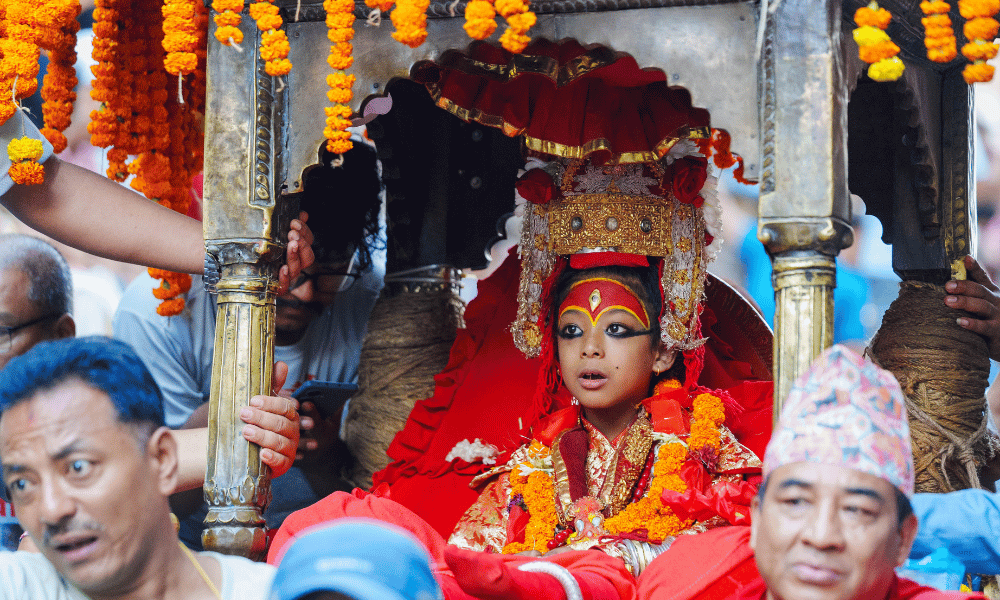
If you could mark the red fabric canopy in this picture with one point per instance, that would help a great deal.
(566, 99)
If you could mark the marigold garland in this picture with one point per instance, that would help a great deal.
(537, 490)
(24, 153)
(480, 19)
(410, 20)
(874, 45)
(382, 5)
(980, 29)
(519, 21)
(180, 36)
(56, 28)
(227, 21)
(648, 513)
(939, 37)
(340, 32)
(274, 46)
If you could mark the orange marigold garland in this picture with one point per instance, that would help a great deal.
(410, 20)
(274, 46)
(874, 45)
(340, 32)
(980, 30)
(939, 37)
(649, 512)
(519, 21)
(24, 154)
(57, 27)
(535, 487)
(227, 21)
(20, 53)
(480, 19)
(180, 36)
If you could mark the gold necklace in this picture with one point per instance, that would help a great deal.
(204, 575)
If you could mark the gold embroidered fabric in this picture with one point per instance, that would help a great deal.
(483, 527)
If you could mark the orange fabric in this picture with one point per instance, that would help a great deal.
(599, 573)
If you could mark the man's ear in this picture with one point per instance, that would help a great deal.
(65, 327)
(161, 450)
(754, 519)
(908, 530)
(665, 358)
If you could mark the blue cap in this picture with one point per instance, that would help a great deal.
(361, 558)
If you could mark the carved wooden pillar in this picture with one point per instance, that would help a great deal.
(245, 221)
(804, 203)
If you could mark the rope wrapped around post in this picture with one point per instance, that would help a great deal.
(944, 371)
(410, 334)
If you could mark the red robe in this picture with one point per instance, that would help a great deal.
(600, 575)
(719, 564)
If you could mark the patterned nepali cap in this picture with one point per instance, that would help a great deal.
(845, 411)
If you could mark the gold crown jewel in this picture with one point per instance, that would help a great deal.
(650, 209)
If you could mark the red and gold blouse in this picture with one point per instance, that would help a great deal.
(677, 469)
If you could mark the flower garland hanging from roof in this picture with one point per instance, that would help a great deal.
(227, 21)
(939, 37)
(274, 46)
(874, 45)
(340, 32)
(980, 29)
(57, 27)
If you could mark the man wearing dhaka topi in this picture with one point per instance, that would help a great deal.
(832, 519)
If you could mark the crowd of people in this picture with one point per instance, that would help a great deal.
(633, 480)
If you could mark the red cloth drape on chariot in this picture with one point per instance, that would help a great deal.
(719, 565)
(566, 99)
(488, 384)
(604, 575)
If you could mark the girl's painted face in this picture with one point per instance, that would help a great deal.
(605, 352)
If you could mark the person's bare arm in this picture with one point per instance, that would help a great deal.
(84, 210)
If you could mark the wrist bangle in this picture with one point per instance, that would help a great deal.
(569, 583)
(212, 275)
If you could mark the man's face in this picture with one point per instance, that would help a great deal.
(81, 485)
(828, 533)
(16, 309)
(308, 297)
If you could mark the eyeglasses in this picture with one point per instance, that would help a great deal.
(7, 333)
(329, 281)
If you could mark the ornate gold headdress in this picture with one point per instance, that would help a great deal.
(575, 208)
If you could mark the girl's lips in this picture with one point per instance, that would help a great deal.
(592, 380)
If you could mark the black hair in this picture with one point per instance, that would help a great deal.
(343, 203)
(108, 365)
(903, 506)
(50, 282)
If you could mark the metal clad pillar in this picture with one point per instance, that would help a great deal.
(245, 221)
(804, 210)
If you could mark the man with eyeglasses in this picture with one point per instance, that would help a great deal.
(320, 325)
(35, 295)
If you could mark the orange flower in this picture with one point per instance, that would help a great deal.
(227, 20)
(877, 17)
(981, 28)
(480, 19)
(410, 20)
(972, 9)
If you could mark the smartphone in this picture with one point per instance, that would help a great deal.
(328, 396)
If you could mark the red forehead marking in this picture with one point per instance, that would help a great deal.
(596, 296)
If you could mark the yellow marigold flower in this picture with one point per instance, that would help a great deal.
(981, 29)
(522, 22)
(868, 35)
(24, 148)
(507, 8)
(889, 69)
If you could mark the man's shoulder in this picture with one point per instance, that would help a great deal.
(31, 575)
(243, 579)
